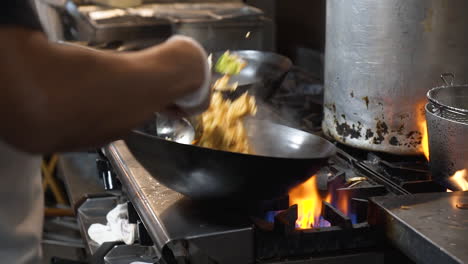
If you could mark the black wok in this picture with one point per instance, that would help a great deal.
(285, 157)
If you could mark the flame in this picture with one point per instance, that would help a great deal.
(425, 138)
(309, 203)
(343, 203)
(460, 179)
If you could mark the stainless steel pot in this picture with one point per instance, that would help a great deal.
(380, 59)
(447, 122)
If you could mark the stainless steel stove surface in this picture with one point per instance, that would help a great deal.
(429, 227)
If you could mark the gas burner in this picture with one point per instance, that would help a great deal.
(282, 239)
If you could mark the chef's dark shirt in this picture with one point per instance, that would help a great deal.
(18, 12)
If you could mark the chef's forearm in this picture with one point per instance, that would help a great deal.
(58, 98)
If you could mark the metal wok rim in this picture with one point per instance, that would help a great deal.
(276, 56)
(326, 154)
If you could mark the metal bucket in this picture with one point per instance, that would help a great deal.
(447, 123)
(380, 59)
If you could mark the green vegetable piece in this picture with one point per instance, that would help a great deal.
(229, 64)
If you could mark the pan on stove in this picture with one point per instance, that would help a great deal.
(284, 158)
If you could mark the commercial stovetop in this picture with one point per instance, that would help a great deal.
(204, 233)
(373, 230)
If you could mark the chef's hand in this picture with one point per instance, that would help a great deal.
(184, 62)
(179, 69)
(197, 101)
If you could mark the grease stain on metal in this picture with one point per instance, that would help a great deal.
(381, 134)
(403, 116)
(378, 139)
(400, 129)
(332, 107)
(381, 130)
(394, 141)
(366, 99)
(346, 130)
(381, 106)
(369, 133)
(382, 127)
(414, 139)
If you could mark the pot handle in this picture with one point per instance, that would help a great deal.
(448, 78)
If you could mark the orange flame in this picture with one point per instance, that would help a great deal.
(460, 179)
(309, 203)
(343, 203)
(425, 138)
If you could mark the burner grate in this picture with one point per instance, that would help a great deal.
(281, 239)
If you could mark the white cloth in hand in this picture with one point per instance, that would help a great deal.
(117, 229)
(194, 103)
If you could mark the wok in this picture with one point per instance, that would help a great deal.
(284, 158)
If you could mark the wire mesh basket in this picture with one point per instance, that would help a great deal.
(450, 101)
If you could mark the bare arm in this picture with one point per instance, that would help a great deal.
(56, 98)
